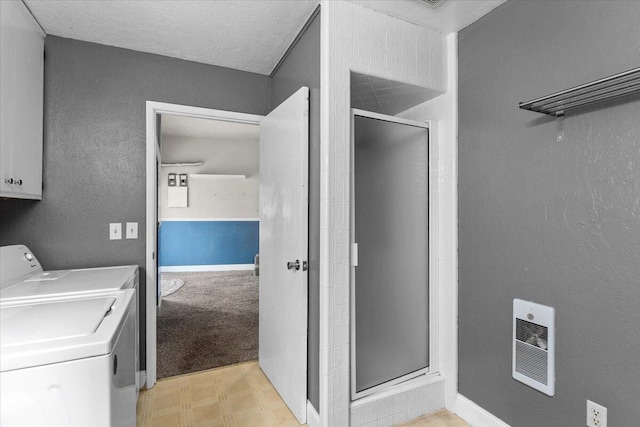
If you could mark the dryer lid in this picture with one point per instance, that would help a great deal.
(32, 323)
(53, 330)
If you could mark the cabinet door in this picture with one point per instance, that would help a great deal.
(7, 91)
(22, 84)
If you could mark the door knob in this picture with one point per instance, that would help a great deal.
(295, 266)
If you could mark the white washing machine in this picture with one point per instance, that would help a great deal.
(68, 361)
(23, 278)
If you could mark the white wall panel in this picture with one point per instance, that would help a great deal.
(353, 41)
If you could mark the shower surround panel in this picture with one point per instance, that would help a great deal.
(367, 42)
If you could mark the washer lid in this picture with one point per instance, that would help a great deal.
(46, 331)
(80, 281)
(47, 321)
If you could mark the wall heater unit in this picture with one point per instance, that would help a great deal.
(534, 345)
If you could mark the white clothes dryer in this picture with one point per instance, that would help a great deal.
(68, 361)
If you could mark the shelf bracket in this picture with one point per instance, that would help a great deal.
(560, 127)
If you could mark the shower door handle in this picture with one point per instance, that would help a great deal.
(295, 266)
(354, 254)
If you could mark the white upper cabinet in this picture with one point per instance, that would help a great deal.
(21, 102)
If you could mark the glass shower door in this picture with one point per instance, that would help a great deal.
(391, 230)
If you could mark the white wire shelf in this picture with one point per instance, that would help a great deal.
(615, 86)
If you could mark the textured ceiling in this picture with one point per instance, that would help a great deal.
(244, 35)
(386, 96)
(447, 17)
(249, 35)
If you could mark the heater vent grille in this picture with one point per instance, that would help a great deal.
(532, 333)
(531, 362)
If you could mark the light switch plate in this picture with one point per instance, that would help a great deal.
(115, 231)
(132, 230)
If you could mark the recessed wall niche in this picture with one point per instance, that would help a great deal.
(385, 96)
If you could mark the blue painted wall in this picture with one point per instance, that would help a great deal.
(207, 242)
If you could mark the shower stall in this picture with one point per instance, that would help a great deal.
(391, 268)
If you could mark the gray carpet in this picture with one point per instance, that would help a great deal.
(211, 321)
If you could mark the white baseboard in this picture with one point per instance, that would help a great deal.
(198, 268)
(313, 418)
(475, 415)
(207, 219)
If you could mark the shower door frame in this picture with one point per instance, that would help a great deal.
(432, 212)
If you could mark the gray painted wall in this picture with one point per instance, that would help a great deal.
(553, 222)
(94, 147)
(301, 67)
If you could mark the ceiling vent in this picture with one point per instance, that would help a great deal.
(534, 345)
(433, 3)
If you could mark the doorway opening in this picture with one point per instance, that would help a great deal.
(154, 113)
(208, 244)
(283, 237)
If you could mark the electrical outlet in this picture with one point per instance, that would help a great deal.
(596, 415)
(115, 231)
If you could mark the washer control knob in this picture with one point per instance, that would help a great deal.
(28, 256)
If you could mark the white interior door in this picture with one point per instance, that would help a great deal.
(284, 172)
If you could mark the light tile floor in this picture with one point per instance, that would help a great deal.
(237, 396)
(439, 419)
